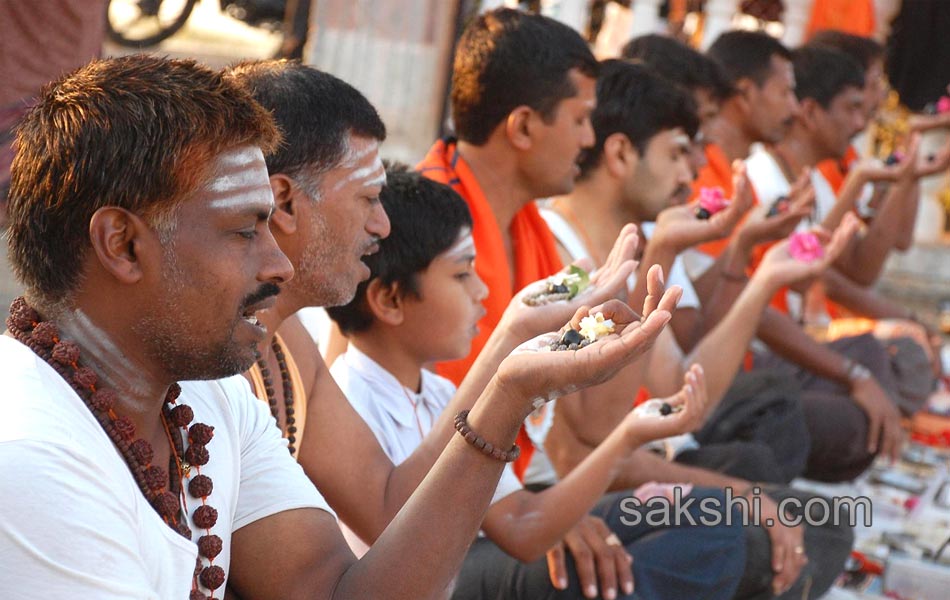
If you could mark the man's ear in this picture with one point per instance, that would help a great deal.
(519, 125)
(745, 91)
(385, 302)
(286, 197)
(121, 241)
(620, 157)
(808, 111)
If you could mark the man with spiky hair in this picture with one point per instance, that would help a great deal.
(139, 225)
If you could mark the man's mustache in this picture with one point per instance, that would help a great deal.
(263, 293)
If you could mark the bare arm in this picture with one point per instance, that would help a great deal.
(439, 521)
(526, 525)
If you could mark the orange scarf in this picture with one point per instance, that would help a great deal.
(535, 256)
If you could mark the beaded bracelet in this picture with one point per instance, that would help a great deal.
(487, 448)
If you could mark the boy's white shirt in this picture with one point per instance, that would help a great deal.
(397, 416)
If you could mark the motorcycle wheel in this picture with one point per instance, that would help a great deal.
(140, 23)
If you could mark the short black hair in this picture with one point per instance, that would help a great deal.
(746, 55)
(679, 63)
(315, 111)
(862, 49)
(426, 218)
(635, 101)
(507, 58)
(821, 73)
(137, 132)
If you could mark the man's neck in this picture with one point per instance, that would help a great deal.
(797, 152)
(728, 133)
(392, 355)
(596, 206)
(497, 176)
(119, 366)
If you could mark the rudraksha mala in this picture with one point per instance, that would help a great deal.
(162, 491)
(288, 386)
(486, 447)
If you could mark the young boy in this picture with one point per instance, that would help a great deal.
(422, 304)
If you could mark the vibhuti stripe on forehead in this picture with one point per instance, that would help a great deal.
(371, 175)
(238, 181)
(464, 247)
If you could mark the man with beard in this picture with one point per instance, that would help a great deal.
(326, 180)
(635, 170)
(139, 226)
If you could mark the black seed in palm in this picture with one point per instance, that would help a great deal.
(891, 160)
(559, 289)
(702, 213)
(665, 409)
(571, 336)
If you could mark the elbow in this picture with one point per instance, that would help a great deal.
(523, 548)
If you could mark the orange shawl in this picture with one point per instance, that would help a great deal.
(535, 255)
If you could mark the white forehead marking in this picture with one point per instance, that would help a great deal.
(374, 174)
(464, 246)
(682, 139)
(240, 180)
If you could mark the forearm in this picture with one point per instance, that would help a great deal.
(720, 353)
(440, 520)
(847, 200)
(861, 300)
(643, 467)
(718, 288)
(864, 258)
(531, 528)
(787, 339)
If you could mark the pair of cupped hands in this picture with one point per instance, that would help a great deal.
(535, 373)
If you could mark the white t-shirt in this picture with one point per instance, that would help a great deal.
(73, 522)
(398, 417)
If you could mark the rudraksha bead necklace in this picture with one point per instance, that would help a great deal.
(162, 491)
(288, 386)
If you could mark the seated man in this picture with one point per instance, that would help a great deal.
(761, 108)
(420, 306)
(326, 178)
(151, 174)
(632, 173)
(831, 97)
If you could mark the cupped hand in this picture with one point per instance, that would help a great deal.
(536, 373)
(761, 228)
(646, 423)
(608, 281)
(778, 268)
(678, 227)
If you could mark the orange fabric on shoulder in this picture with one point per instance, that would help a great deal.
(834, 171)
(716, 173)
(850, 16)
(535, 257)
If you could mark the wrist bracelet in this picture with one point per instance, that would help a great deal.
(487, 448)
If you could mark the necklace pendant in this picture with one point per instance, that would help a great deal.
(186, 469)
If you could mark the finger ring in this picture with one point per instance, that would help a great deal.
(613, 540)
(799, 549)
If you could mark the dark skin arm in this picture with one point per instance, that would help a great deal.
(432, 527)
